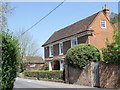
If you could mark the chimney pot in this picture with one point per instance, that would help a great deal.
(106, 11)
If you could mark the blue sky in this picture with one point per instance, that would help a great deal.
(28, 13)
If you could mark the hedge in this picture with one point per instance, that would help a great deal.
(9, 62)
(54, 75)
(80, 55)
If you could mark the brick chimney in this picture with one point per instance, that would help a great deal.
(106, 11)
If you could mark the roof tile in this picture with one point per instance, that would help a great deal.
(73, 29)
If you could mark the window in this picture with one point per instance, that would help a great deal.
(60, 48)
(50, 51)
(73, 42)
(32, 65)
(103, 23)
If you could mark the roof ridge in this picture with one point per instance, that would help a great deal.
(77, 22)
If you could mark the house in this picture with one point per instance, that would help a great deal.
(33, 62)
(92, 30)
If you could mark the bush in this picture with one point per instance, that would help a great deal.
(9, 60)
(55, 75)
(111, 54)
(45, 67)
(80, 55)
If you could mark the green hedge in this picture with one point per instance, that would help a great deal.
(9, 62)
(55, 75)
(80, 55)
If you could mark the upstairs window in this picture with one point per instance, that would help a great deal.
(73, 42)
(51, 51)
(103, 23)
(60, 48)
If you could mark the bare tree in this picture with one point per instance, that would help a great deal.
(28, 46)
(5, 10)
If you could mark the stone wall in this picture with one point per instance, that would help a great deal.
(80, 76)
(109, 75)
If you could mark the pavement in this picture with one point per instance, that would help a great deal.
(27, 83)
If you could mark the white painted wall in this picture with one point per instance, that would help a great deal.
(50, 66)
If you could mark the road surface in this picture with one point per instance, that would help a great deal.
(27, 83)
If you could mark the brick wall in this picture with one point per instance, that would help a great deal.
(80, 76)
(46, 52)
(66, 46)
(83, 39)
(98, 37)
(56, 49)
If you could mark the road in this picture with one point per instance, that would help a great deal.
(27, 83)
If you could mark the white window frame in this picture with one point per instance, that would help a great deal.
(72, 41)
(60, 48)
(32, 65)
(50, 51)
(102, 21)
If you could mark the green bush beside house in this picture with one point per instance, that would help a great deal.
(111, 54)
(80, 55)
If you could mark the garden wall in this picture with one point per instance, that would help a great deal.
(109, 75)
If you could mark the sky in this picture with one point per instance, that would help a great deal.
(28, 13)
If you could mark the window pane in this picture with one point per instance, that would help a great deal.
(61, 48)
(103, 23)
(51, 51)
(74, 42)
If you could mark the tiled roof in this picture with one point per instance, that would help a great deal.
(33, 59)
(73, 29)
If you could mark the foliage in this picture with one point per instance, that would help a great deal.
(45, 67)
(10, 56)
(114, 18)
(111, 54)
(5, 10)
(21, 67)
(55, 75)
(80, 55)
(28, 46)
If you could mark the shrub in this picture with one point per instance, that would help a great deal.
(111, 54)
(45, 67)
(80, 55)
(55, 75)
(9, 60)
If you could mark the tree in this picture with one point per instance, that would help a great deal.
(114, 18)
(111, 54)
(5, 10)
(28, 47)
(10, 58)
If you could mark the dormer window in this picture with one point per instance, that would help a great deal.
(51, 51)
(60, 48)
(103, 23)
(73, 42)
